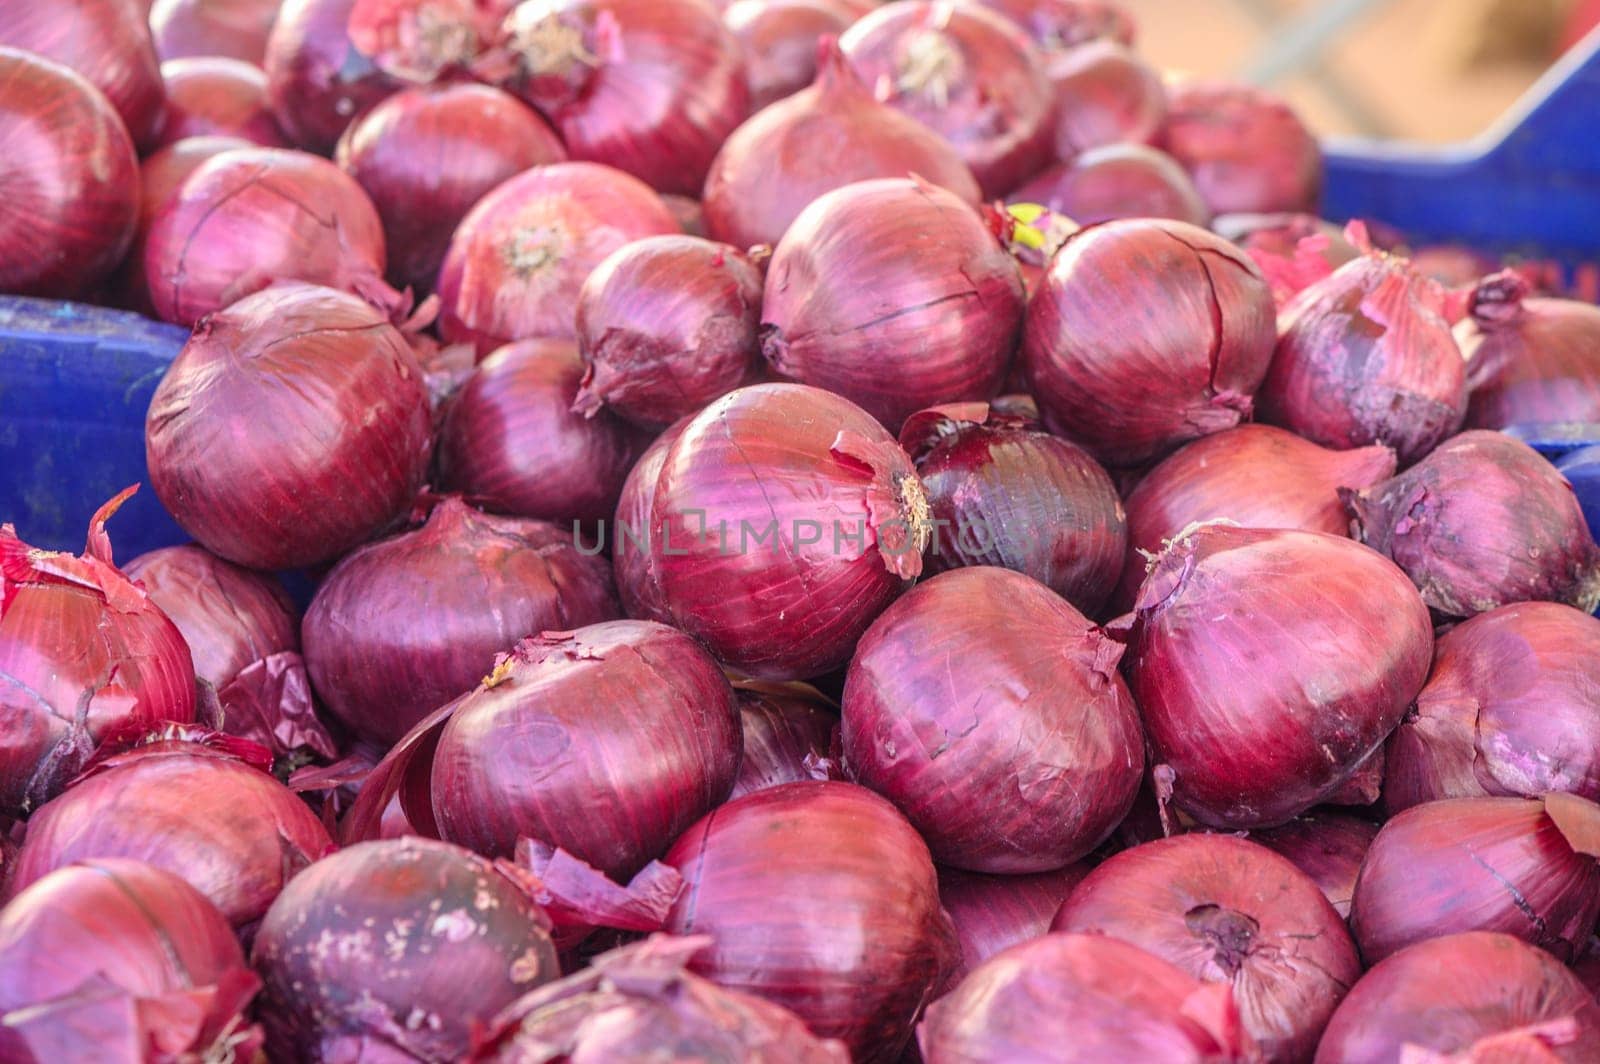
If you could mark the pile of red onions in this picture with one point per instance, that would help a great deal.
(317, 81)
(638, 584)
(235, 29)
(293, 426)
(789, 733)
(1483, 521)
(1105, 95)
(1529, 360)
(993, 913)
(779, 38)
(1246, 149)
(211, 95)
(1328, 847)
(1116, 181)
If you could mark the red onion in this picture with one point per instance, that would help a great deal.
(293, 426)
(71, 181)
(1328, 847)
(1082, 999)
(1350, 641)
(789, 734)
(222, 824)
(1106, 95)
(1529, 360)
(651, 87)
(519, 258)
(857, 950)
(969, 75)
(666, 325)
(402, 949)
(1144, 335)
(1483, 521)
(427, 154)
(993, 913)
(424, 40)
(317, 80)
(1116, 181)
(1245, 148)
(638, 585)
(784, 520)
(1059, 25)
(211, 95)
(245, 637)
(112, 957)
(1294, 251)
(480, 584)
(235, 29)
(1228, 911)
(780, 38)
(1254, 475)
(1024, 764)
(84, 653)
(894, 294)
(1522, 866)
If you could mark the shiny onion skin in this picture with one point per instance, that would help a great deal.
(1060, 25)
(1116, 181)
(1477, 997)
(222, 824)
(400, 949)
(210, 95)
(780, 38)
(1131, 386)
(116, 960)
(1106, 95)
(1521, 866)
(427, 154)
(1481, 522)
(318, 82)
(512, 443)
(292, 427)
(993, 913)
(825, 523)
(1004, 492)
(894, 294)
(518, 259)
(1269, 665)
(1364, 356)
(1328, 847)
(84, 653)
(1226, 910)
(1508, 689)
(822, 138)
(858, 951)
(234, 29)
(651, 87)
(666, 325)
(789, 734)
(1024, 764)
(1245, 148)
(968, 74)
(403, 625)
(641, 1002)
(69, 189)
(1254, 475)
(1529, 359)
(632, 563)
(1083, 999)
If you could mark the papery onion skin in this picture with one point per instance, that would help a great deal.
(251, 439)
(780, 38)
(855, 956)
(638, 583)
(1255, 754)
(1254, 475)
(428, 153)
(1059, 25)
(511, 442)
(666, 325)
(1529, 360)
(1024, 764)
(119, 953)
(210, 95)
(317, 80)
(767, 467)
(1483, 521)
(1245, 148)
(1328, 847)
(993, 913)
(1132, 387)
(789, 729)
(1226, 910)
(894, 294)
(519, 258)
(1116, 181)
(1452, 994)
(404, 625)
(70, 191)
(395, 948)
(1106, 95)
(235, 29)
(968, 74)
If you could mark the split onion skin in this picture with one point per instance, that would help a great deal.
(1328, 847)
(993, 913)
(316, 79)
(1247, 151)
(213, 96)
(234, 29)
(1529, 360)
(1116, 181)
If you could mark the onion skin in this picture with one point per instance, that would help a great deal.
(1059, 25)
(1106, 95)
(1254, 475)
(820, 139)
(511, 442)
(71, 180)
(789, 735)
(1245, 148)
(993, 913)
(666, 325)
(116, 953)
(966, 73)
(1447, 522)
(1478, 992)
(210, 95)
(1027, 762)
(317, 80)
(1529, 360)
(857, 954)
(396, 949)
(638, 584)
(774, 464)
(428, 153)
(780, 38)
(301, 480)
(235, 29)
(1116, 181)
(1228, 911)
(1127, 387)
(1328, 847)
(1255, 755)
(894, 294)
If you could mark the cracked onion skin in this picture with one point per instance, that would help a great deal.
(1529, 360)
(1269, 665)
(1328, 847)
(1226, 910)
(993, 913)
(1132, 386)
